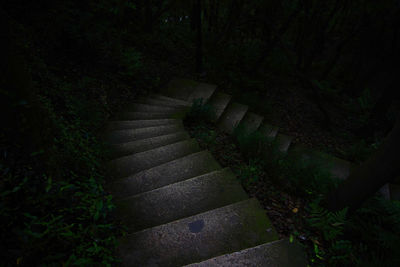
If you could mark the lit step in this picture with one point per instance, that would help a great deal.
(220, 231)
(168, 173)
(169, 203)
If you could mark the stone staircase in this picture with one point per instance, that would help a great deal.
(179, 205)
(230, 114)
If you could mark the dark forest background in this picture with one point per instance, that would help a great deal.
(325, 71)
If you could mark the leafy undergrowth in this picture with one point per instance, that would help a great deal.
(291, 191)
(53, 207)
(54, 210)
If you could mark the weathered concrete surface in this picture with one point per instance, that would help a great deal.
(251, 122)
(192, 239)
(159, 102)
(189, 90)
(385, 191)
(128, 165)
(180, 200)
(219, 101)
(168, 173)
(339, 168)
(280, 253)
(129, 135)
(268, 130)
(124, 149)
(180, 88)
(136, 124)
(139, 107)
(231, 117)
(390, 191)
(174, 114)
(171, 100)
(203, 91)
(283, 141)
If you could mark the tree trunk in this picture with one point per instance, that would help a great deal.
(199, 38)
(338, 53)
(270, 45)
(233, 18)
(369, 177)
(377, 117)
(193, 16)
(216, 17)
(320, 32)
(148, 16)
(211, 15)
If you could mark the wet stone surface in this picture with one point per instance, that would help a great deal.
(196, 226)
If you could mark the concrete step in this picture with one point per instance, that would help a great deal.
(283, 141)
(203, 91)
(203, 236)
(180, 88)
(219, 101)
(231, 117)
(171, 100)
(180, 200)
(174, 114)
(130, 135)
(129, 165)
(139, 107)
(339, 168)
(188, 90)
(159, 102)
(251, 122)
(168, 173)
(124, 149)
(136, 124)
(279, 253)
(385, 191)
(268, 130)
(394, 192)
(390, 191)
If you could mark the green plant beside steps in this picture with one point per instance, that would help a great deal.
(200, 113)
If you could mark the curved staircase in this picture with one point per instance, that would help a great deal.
(180, 206)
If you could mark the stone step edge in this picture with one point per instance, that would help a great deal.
(199, 152)
(179, 123)
(226, 259)
(181, 199)
(170, 99)
(115, 164)
(190, 140)
(161, 107)
(177, 183)
(158, 101)
(253, 199)
(236, 252)
(118, 146)
(108, 127)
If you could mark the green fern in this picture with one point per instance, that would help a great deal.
(250, 173)
(376, 224)
(330, 224)
(341, 251)
(252, 145)
(365, 100)
(200, 112)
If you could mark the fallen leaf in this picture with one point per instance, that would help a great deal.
(315, 241)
